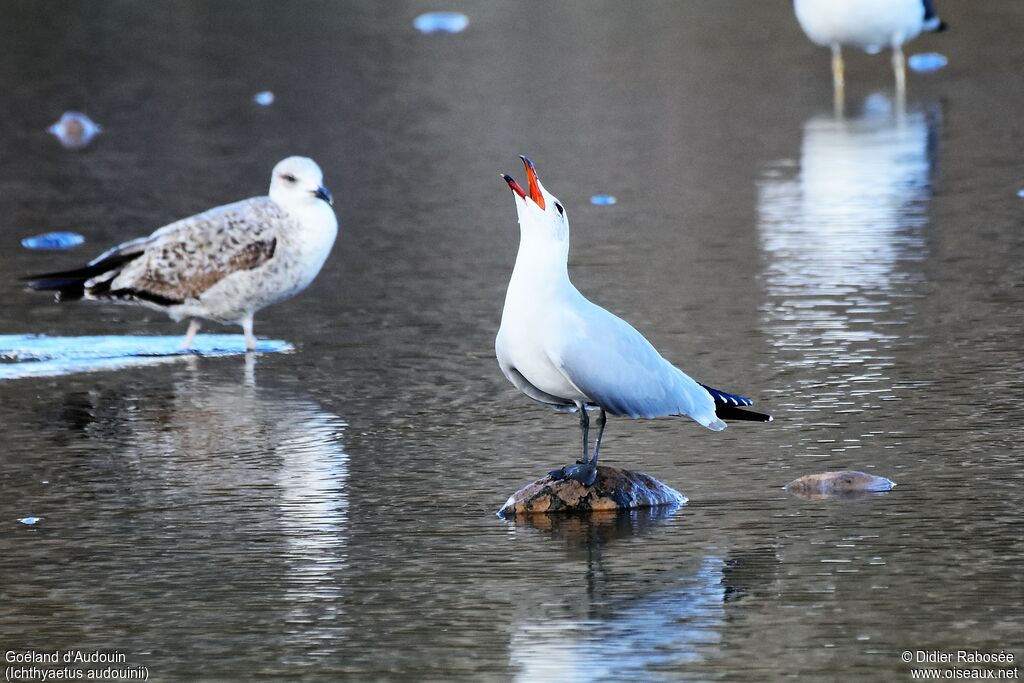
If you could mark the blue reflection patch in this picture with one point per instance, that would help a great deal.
(927, 61)
(441, 22)
(26, 355)
(53, 240)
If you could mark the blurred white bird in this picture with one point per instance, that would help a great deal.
(560, 349)
(223, 264)
(868, 24)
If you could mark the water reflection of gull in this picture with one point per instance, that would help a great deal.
(254, 477)
(606, 627)
(843, 238)
(308, 476)
(631, 641)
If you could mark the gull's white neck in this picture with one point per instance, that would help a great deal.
(541, 270)
(317, 230)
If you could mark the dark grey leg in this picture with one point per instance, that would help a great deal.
(585, 429)
(585, 470)
(600, 432)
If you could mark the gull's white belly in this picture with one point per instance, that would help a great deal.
(525, 353)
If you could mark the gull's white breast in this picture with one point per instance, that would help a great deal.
(868, 24)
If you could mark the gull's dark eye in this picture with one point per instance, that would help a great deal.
(561, 211)
(289, 177)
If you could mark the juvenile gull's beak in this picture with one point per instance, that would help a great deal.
(514, 186)
(324, 194)
(531, 174)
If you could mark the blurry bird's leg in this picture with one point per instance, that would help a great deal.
(899, 69)
(585, 429)
(838, 80)
(193, 328)
(250, 340)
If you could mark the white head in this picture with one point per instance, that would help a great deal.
(298, 181)
(541, 216)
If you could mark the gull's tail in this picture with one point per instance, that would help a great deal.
(932, 22)
(730, 407)
(70, 285)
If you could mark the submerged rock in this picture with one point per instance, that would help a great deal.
(615, 489)
(75, 129)
(842, 482)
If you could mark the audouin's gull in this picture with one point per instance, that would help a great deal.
(868, 24)
(560, 349)
(223, 264)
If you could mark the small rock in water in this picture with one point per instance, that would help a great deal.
(602, 200)
(927, 61)
(614, 489)
(29, 521)
(264, 98)
(441, 22)
(843, 482)
(75, 130)
(53, 240)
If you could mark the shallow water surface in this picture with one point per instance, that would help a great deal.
(328, 513)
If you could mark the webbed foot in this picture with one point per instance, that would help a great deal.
(584, 473)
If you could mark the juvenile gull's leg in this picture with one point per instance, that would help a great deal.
(899, 69)
(193, 328)
(250, 340)
(838, 79)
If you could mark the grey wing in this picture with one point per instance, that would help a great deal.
(184, 259)
(617, 368)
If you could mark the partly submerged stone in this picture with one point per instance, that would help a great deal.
(75, 129)
(842, 482)
(614, 489)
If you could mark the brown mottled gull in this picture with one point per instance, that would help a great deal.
(223, 264)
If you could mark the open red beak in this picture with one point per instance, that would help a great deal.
(531, 174)
(514, 186)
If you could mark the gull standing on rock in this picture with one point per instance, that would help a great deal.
(868, 24)
(224, 264)
(560, 349)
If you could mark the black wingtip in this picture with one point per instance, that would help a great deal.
(725, 412)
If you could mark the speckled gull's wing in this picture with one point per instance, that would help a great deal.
(184, 259)
(610, 362)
